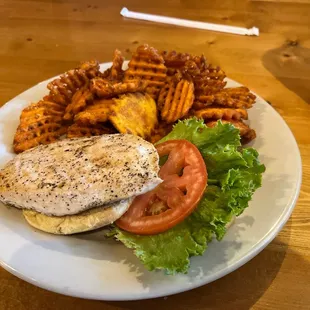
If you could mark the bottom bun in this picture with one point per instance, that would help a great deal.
(73, 224)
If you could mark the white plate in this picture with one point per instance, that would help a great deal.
(88, 267)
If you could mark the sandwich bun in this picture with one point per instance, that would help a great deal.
(72, 224)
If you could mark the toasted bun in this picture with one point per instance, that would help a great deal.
(72, 224)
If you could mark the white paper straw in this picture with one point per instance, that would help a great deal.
(190, 23)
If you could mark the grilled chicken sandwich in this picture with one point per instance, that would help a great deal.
(80, 184)
(165, 214)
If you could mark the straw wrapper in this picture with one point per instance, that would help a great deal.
(189, 23)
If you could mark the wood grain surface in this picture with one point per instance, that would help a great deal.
(42, 38)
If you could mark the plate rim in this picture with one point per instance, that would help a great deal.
(252, 252)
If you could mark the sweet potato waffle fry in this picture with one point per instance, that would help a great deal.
(161, 130)
(76, 130)
(163, 95)
(175, 60)
(117, 72)
(98, 112)
(248, 136)
(63, 88)
(209, 70)
(176, 100)
(80, 100)
(156, 90)
(238, 97)
(205, 86)
(217, 113)
(91, 68)
(166, 94)
(40, 123)
(208, 79)
(105, 89)
(134, 114)
(215, 73)
(148, 65)
(40, 109)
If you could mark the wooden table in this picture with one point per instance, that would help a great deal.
(42, 38)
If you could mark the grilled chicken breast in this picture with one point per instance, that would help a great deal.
(71, 176)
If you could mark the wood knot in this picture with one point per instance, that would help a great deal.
(292, 43)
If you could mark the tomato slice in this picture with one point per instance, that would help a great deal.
(184, 177)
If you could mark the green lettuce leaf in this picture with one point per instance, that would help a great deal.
(234, 174)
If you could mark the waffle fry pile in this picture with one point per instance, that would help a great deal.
(157, 90)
